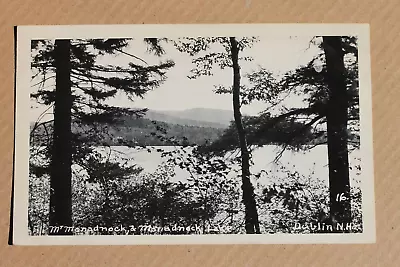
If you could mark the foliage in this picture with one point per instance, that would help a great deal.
(205, 62)
(92, 84)
(289, 132)
(301, 127)
(209, 197)
(141, 199)
(228, 58)
(297, 203)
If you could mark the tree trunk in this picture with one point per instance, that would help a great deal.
(251, 214)
(337, 117)
(60, 172)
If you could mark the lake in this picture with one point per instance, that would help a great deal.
(312, 164)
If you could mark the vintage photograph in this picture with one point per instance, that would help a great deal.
(203, 134)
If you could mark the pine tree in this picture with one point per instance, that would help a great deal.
(337, 117)
(331, 95)
(79, 99)
(60, 170)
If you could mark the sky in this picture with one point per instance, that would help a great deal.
(277, 55)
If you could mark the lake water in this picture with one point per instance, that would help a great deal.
(313, 163)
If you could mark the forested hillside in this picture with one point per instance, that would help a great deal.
(142, 132)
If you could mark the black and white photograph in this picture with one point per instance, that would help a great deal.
(193, 134)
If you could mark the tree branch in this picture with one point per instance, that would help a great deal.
(128, 54)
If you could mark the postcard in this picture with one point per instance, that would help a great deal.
(193, 134)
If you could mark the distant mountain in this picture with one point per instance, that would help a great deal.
(203, 117)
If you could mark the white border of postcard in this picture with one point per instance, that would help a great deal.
(26, 33)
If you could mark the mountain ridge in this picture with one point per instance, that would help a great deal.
(204, 117)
